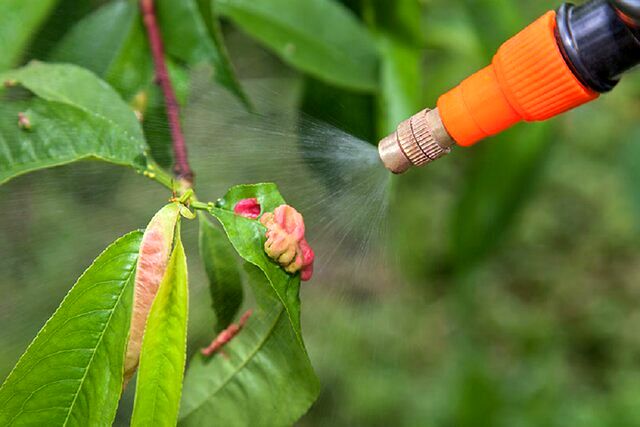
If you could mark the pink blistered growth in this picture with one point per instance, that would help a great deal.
(248, 208)
(285, 241)
(307, 260)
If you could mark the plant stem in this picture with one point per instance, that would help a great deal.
(181, 167)
(200, 205)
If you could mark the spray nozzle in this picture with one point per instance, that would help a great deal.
(417, 141)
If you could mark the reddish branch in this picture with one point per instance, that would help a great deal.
(181, 167)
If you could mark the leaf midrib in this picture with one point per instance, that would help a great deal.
(84, 376)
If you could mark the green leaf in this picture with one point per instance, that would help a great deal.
(501, 177)
(163, 353)
(503, 17)
(319, 37)
(401, 83)
(630, 168)
(266, 378)
(223, 271)
(398, 27)
(192, 34)
(353, 112)
(19, 21)
(73, 116)
(112, 43)
(71, 374)
(401, 19)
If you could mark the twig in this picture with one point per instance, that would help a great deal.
(181, 167)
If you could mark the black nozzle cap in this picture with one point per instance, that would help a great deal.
(596, 43)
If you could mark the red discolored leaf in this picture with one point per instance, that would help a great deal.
(248, 208)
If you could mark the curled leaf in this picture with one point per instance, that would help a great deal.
(285, 240)
(152, 264)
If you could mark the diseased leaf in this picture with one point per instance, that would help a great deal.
(320, 37)
(163, 354)
(71, 374)
(192, 34)
(155, 250)
(266, 378)
(222, 268)
(19, 21)
(112, 43)
(73, 116)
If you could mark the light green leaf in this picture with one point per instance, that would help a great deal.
(73, 116)
(19, 20)
(223, 272)
(71, 374)
(320, 37)
(163, 353)
(112, 43)
(192, 34)
(266, 378)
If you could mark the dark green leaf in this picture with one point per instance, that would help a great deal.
(19, 20)
(71, 374)
(73, 116)
(191, 34)
(401, 19)
(111, 42)
(498, 183)
(163, 353)
(222, 268)
(320, 37)
(266, 378)
(353, 112)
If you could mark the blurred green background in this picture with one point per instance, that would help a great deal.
(512, 269)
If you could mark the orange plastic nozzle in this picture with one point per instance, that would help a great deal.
(528, 79)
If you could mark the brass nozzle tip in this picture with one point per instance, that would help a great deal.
(392, 156)
(417, 141)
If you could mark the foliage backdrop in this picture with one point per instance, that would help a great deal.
(515, 304)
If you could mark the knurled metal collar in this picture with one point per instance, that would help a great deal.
(417, 140)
